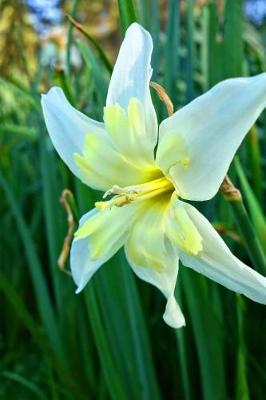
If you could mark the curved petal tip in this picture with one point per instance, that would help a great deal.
(173, 315)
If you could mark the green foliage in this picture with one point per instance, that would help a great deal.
(110, 342)
(127, 13)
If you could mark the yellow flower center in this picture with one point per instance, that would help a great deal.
(126, 195)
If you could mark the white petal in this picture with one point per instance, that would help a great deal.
(85, 146)
(131, 77)
(173, 315)
(99, 236)
(152, 257)
(67, 126)
(128, 133)
(180, 229)
(197, 143)
(218, 263)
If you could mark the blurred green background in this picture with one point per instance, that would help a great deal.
(110, 341)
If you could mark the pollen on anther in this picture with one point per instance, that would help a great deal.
(100, 205)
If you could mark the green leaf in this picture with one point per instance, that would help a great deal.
(95, 44)
(242, 390)
(38, 280)
(118, 325)
(255, 210)
(190, 51)
(32, 387)
(127, 14)
(208, 335)
(172, 45)
(233, 38)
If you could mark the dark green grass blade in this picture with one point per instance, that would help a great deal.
(38, 281)
(53, 214)
(127, 14)
(242, 389)
(207, 335)
(255, 210)
(20, 380)
(99, 50)
(74, 9)
(190, 51)
(40, 339)
(172, 45)
(233, 38)
(116, 308)
(183, 354)
(114, 381)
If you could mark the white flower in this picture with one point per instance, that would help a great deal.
(144, 211)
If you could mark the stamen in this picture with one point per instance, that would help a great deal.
(118, 201)
(128, 194)
(116, 190)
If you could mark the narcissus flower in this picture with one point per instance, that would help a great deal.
(143, 207)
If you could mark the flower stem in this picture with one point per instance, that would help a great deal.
(233, 196)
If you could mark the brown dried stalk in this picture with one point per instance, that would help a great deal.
(64, 200)
(164, 97)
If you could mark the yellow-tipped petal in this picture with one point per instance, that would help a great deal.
(67, 128)
(218, 263)
(151, 256)
(181, 230)
(212, 128)
(103, 166)
(131, 78)
(127, 130)
(98, 238)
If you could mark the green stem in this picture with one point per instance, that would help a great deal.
(255, 158)
(62, 80)
(127, 14)
(249, 237)
(94, 43)
(241, 386)
(248, 234)
(70, 36)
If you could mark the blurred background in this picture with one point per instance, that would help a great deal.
(110, 342)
